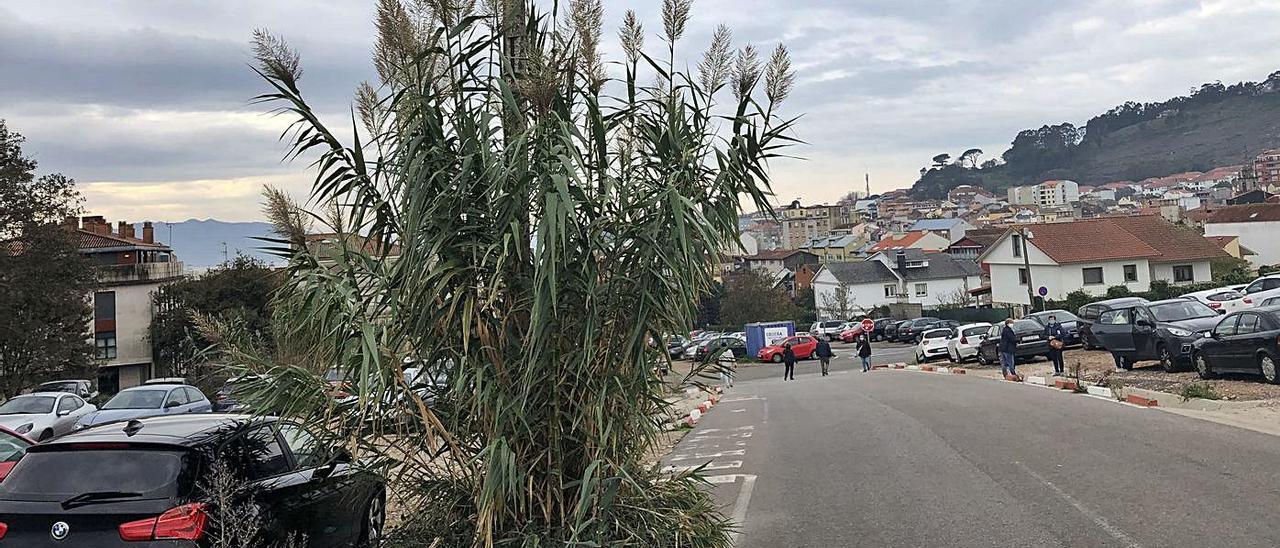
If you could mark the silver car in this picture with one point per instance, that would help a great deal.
(44, 415)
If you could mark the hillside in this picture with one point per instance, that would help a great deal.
(1215, 126)
(198, 243)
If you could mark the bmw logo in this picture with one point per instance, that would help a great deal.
(60, 530)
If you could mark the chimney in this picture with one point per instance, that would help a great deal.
(148, 233)
(902, 260)
(128, 230)
(120, 228)
(94, 224)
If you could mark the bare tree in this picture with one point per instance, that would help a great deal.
(839, 303)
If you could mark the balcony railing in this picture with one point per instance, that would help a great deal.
(141, 272)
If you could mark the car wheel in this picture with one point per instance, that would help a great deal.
(952, 357)
(1166, 358)
(46, 434)
(777, 358)
(375, 517)
(982, 358)
(1202, 367)
(1268, 366)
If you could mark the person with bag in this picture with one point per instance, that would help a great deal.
(789, 363)
(864, 351)
(1057, 336)
(824, 354)
(1007, 347)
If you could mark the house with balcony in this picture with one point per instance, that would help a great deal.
(130, 269)
(911, 276)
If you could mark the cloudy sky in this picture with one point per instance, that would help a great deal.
(145, 102)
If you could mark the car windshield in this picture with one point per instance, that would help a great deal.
(58, 387)
(937, 334)
(1179, 311)
(11, 447)
(1023, 326)
(57, 474)
(137, 399)
(975, 331)
(1062, 315)
(28, 405)
(1225, 296)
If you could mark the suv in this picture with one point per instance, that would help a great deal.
(1162, 330)
(911, 331)
(1090, 313)
(151, 482)
(829, 329)
(1263, 288)
(878, 334)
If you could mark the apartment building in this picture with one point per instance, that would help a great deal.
(1266, 168)
(1046, 194)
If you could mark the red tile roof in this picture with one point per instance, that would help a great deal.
(86, 239)
(1248, 213)
(906, 241)
(1117, 238)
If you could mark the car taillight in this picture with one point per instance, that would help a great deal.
(1248, 300)
(1215, 306)
(964, 340)
(4, 528)
(185, 522)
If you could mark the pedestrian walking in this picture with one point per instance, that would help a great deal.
(864, 351)
(728, 365)
(1057, 336)
(824, 355)
(1008, 345)
(789, 363)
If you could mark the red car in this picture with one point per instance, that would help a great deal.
(850, 334)
(802, 345)
(12, 447)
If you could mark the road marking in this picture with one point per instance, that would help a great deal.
(709, 466)
(739, 516)
(1101, 522)
(745, 398)
(733, 453)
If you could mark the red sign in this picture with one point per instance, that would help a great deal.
(868, 325)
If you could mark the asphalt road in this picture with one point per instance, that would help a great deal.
(899, 458)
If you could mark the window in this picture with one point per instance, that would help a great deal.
(258, 455)
(1228, 327)
(105, 345)
(1248, 324)
(1092, 276)
(69, 404)
(1116, 317)
(177, 397)
(1017, 245)
(891, 290)
(306, 450)
(193, 395)
(1183, 273)
(1024, 276)
(104, 305)
(1130, 273)
(922, 290)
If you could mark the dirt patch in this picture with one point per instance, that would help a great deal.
(1099, 367)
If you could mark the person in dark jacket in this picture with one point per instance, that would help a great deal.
(1057, 337)
(824, 354)
(1008, 345)
(789, 363)
(864, 352)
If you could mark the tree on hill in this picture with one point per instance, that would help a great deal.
(941, 160)
(970, 157)
(44, 280)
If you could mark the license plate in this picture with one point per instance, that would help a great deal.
(1031, 338)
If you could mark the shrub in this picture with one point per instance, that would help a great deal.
(1201, 390)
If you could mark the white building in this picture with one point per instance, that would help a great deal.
(129, 271)
(953, 229)
(1257, 226)
(906, 276)
(1048, 194)
(1093, 255)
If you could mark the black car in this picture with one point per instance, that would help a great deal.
(1090, 313)
(1162, 330)
(148, 482)
(1031, 342)
(891, 330)
(882, 324)
(735, 346)
(910, 332)
(1243, 342)
(1067, 320)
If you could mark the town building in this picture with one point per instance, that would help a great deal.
(130, 270)
(1266, 169)
(834, 248)
(1256, 225)
(904, 276)
(800, 224)
(952, 229)
(923, 240)
(780, 259)
(1048, 193)
(1056, 259)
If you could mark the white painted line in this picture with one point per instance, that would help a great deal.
(738, 411)
(710, 466)
(913, 368)
(1100, 521)
(739, 516)
(733, 453)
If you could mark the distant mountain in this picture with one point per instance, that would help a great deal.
(1217, 125)
(199, 243)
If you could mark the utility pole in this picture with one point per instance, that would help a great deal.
(1023, 234)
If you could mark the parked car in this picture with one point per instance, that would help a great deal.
(851, 332)
(891, 330)
(1069, 322)
(1263, 288)
(735, 346)
(1090, 313)
(1224, 299)
(1273, 301)
(1031, 342)
(44, 415)
(964, 344)
(1162, 330)
(828, 329)
(878, 334)
(164, 380)
(676, 343)
(145, 483)
(148, 401)
(79, 387)
(12, 447)
(740, 335)
(224, 400)
(1243, 342)
(910, 333)
(801, 345)
(933, 344)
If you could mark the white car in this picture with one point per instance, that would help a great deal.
(965, 342)
(828, 329)
(44, 415)
(1224, 299)
(1263, 288)
(933, 344)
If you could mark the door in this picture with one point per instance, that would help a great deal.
(1114, 331)
(197, 402)
(988, 346)
(66, 414)
(176, 402)
(1215, 350)
(335, 518)
(1144, 334)
(281, 495)
(1241, 346)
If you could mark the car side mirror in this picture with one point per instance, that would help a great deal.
(171, 403)
(64, 412)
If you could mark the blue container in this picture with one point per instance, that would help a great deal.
(759, 335)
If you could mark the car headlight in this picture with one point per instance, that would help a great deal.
(24, 428)
(1179, 332)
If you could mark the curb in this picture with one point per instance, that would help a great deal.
(1101, 391)
(1150, 399)
(937, 370)
(1141, 401)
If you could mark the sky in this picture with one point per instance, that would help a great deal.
(146, 103)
